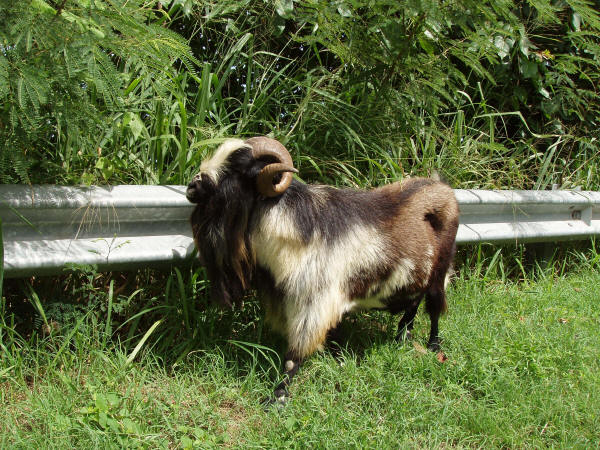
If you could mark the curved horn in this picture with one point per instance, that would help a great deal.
(263, 146)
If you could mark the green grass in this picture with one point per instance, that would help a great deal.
(522, 371)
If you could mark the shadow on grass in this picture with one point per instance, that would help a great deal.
(168, 316)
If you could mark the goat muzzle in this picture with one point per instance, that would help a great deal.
(191, 193)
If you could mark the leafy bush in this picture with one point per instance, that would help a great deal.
(68, 73)
(492, 94)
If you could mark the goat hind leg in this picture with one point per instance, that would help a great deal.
(407, 323)
(435, 303)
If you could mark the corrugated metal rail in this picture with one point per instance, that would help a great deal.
(47, 228)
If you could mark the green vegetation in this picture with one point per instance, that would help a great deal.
(521, 371)
(492, 94)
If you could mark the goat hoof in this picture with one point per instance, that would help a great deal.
(404, 336)
(279, 399)
(434, 345)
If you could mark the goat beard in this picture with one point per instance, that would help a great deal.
(222, 237)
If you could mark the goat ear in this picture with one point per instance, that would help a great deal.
(255, 168)
(242, 162)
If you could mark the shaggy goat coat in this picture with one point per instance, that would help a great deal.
(316, 252)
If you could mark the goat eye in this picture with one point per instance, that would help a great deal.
(207, 184)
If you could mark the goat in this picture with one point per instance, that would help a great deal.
(315, 252)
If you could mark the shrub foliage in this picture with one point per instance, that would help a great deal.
(492, 94)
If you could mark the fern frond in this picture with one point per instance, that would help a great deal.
(4, 83)
(61, 75)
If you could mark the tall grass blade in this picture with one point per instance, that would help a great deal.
(24, 219)
(140, 344)
(108, 327)
(203, 97)
(37, 304)
(183, 142)
(67, 340)
(263, 350)
(4, 371)
(135, 320)
(544, 180)
(184, 299)
(492, 265)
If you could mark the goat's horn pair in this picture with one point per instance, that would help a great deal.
(263, 146)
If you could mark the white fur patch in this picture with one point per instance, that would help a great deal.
(400, 277)
(447, 279)
(427, 262)
(366, 303)
(315, 274)
(216, 164)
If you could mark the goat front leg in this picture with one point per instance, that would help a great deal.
(292, 364)
(281, 395)
(306, 329)
(305, 336)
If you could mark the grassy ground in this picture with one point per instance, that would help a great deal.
(522, 371)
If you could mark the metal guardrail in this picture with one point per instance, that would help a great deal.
(46, 228)
(527, 216)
